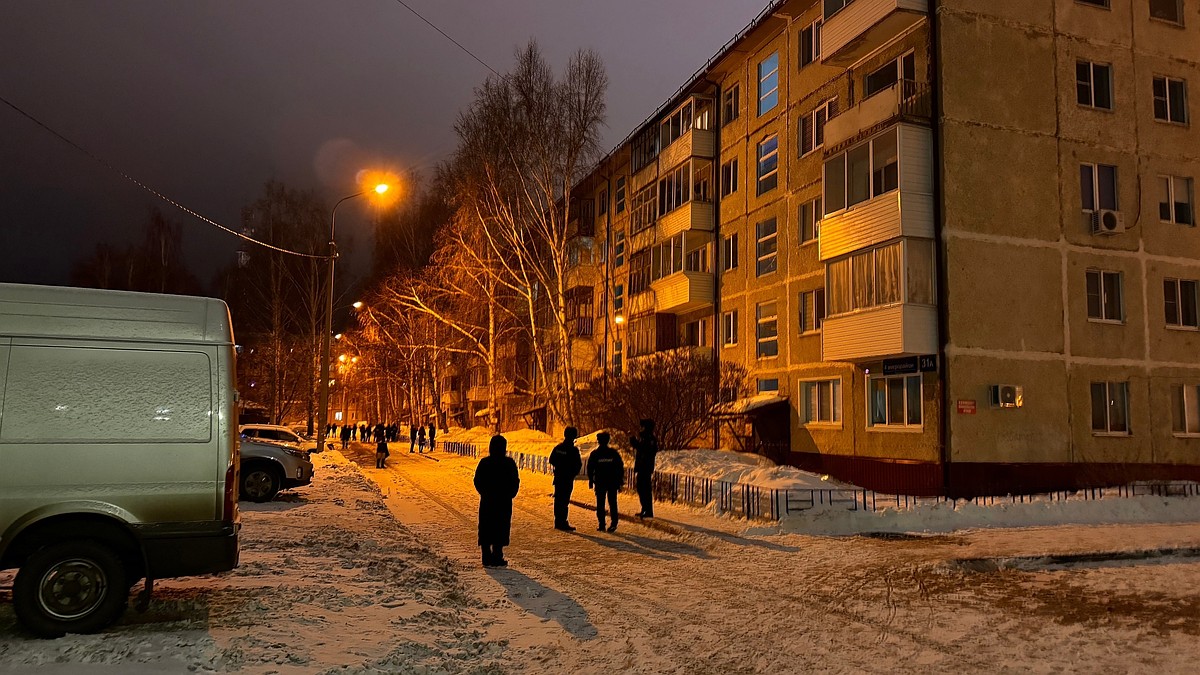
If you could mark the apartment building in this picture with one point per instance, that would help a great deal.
(953, 241)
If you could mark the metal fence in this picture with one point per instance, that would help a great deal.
(753, 501)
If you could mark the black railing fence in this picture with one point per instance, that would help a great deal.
(756, 502)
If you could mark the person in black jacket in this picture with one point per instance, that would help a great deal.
(645, 447)
(566, 462)
(606, 474)
(412, 437)
(432, 436)
(345, 436)
(497, 482)
(381, 452)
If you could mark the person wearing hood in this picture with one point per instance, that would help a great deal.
(497, 482)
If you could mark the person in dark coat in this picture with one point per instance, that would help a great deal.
(412, 438)
(497, 482)
(381, 453)
(566, 462)
(432, 435)
(420, 440)
(645, 447)
(606, 475)
(345, 436)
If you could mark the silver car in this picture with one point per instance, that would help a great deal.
(271, 466)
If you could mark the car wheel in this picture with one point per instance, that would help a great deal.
(260, 484)
(79, 587)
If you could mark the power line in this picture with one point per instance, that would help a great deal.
(447, 36)
(151, 190)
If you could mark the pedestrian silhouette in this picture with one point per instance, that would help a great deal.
(432, 435)
(566, 462)
(606, 475)
(497, 482)
(412, 438)
(645, 447)
(345, 436)
(381, 453)
(421, 440)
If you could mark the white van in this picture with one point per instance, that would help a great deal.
(118, 448)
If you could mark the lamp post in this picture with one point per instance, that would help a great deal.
(325, 341)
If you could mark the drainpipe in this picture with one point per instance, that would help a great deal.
(718, 110)
(939, 257)
(608, 278)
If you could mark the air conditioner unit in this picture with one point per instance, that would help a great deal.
(1107, 222)
(1007, 396)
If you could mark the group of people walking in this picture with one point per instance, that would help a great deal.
(497, 481)
(382, 434)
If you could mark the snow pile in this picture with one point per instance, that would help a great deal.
(740, 467)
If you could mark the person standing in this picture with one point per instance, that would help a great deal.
(497, 482)
(381, 453)
(645, 447)
(412, 438)
(606, 475)
(345, 436)
(567, 462)
(420, 440)
(432, 435)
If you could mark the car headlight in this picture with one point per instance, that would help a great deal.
(296, 452)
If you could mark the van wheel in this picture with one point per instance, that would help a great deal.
(79, 587)
(260, 484)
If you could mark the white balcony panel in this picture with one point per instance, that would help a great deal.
(916, 159)
(890, 215)
(885, 332)
(695, 143)
(872, 111)
(645, 176)
(866, 25)
(683, 292)
(693, 215)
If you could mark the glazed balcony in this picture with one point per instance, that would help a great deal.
(694, 215)
(853, 29)
(881, 332)
(905, 100)
(683, 292)
(694, 143)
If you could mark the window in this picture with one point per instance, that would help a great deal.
(766, 247)
(810, 43)
(731, 104)
(1167, 10)
(1093, 85)
(676, 124)
(695, 333)
(617, 358)
(768, 385)
(1098, 187)
(866, 279)
(696, 260)
(834, 6)
(810, 221)
(1170, 100)
(1110, 407)
(768, 164)
(639, 272)
(768, 83)
(903, 68)
(619, 248)
(1185, 409)
(620, 195)
(767, 330)
(812, 126)
(1175, 200)
(729, 328)
(1104, 296)
(1095, 3)
(821, 401)
(864, 171)
(729, 253)
(644, 205)
(1179, 302)
(602, 202)
(666, 257)
(894, 401)
(618, 297)
(675, 188)
(812, 310)
(729, 177)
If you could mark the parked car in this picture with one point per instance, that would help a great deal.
(270, 466)
(274, 432)
(119, 458)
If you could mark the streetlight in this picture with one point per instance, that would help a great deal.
(325, 341)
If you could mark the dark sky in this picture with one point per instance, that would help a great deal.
(207, 99)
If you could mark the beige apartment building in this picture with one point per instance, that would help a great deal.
(953, 241)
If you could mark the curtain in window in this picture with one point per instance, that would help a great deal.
(1118, 406)
(920, 272)
(840, 287)
(863, 266)
(887, 274)
(878, 401)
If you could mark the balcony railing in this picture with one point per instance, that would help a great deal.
(582, 326)
(906, 100)
(683, 291)
(880, 332)
(852, 30)
(694, 143)
(694, 215)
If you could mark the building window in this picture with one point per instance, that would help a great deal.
(696, 259)
(695, 333)
(1093, 84)
(1170, 100)
(1110, 407)
(617, 357)
(812, 310)
(1175, 200)
(731, 104)
(768, 385)
(810, 221)
(675, 188)
(768, 164)
(645, 204)
(602, 202)
(1185, 409)
(1104, 296)
(618, 297)
(766, 247)
(729, 253)
(894, 401)
(1094, 3)
(619, 248)
(767, 330)
(1179, 303)
(639, 272)
(810, 43)
(620, 195)
(729, 328)
(812, 126)
(729, 177)
(821, 401)
(1098, 187)
(864, 171)
(870, 278)
(1167, 10)
(768, 83)
(903, 68)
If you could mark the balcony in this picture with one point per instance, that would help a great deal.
(883, 332)
(683, 291)
(905, 100)
(860, 27)
(694, 215)
(694, 143)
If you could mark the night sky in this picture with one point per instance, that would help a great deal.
(206, 100)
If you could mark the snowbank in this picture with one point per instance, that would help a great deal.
(740, 467)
